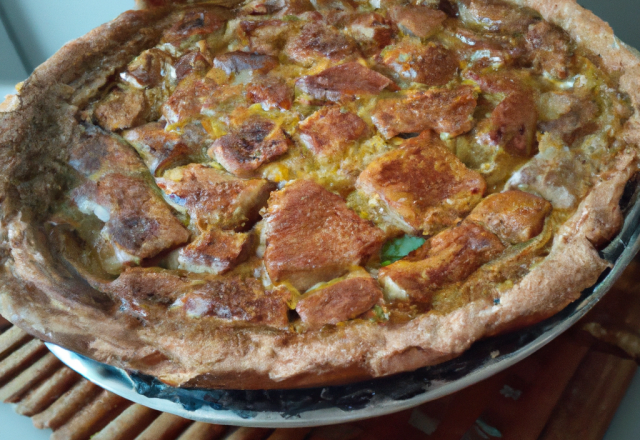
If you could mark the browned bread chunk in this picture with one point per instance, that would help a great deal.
(433, 64)
(550, 49)
(329, 131)
(372, 32)
(418, 20)
(494, 16)
(237, 61)
(313, 237)
(339, 300)
(345, 81)
(214, 197)
(271, 92)
(138, 221)
(442, 110)
(424, 184)
(215, 251)
(161, 149)
(149, 292)
(256, 142)
(121, 109)
(514, 216)
(316, 41)
(188, 98)
(149, 68)
(450, 256)
(195, 23)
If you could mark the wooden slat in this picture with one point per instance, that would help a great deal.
(50, 390)
(69, 404)
(11, 339)
(91, 418)
(19, 359)
(165, 427)
(289, 434)
(589, 403)
(245, 433)
(4, 324)
(30, 377)
(203, 431)
(127, 425)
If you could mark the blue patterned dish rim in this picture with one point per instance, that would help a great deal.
(371, 398)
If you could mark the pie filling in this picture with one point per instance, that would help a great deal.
(311, 163)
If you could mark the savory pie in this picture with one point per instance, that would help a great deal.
(289, 193)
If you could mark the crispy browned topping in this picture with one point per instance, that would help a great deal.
(345, 81)
(551, 49)
(215, 198)
(216, 251)
(121, 109)
(149, 292)
(514, 216)
(431, 64)
(192, 63)
(141, 229)
(494, 16)
(450, 257)
(372, 31)
(313, 237)
(188, 98)
(234, 62)
(161, 149)
(572, 117)
(424, 184)
(271, 92)
(316, 41)
(340, 300)
(148, 68)
(268, 36)
(420, 21)
(329, 131)
(195, 23)
(256, 142)
(442, 110)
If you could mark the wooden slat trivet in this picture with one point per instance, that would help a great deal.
(568, 390)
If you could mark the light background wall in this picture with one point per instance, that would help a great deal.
(40, 27)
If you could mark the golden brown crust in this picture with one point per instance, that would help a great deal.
(50, 299)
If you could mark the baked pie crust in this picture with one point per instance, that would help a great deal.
(215, 252)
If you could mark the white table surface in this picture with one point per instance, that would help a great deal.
(40, 27)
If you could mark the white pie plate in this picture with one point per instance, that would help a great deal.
(338, 404)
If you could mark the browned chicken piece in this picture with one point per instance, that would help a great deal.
(572, 117)
(271, 92)
(494, 16)
(191, 63)
(343, 82)
(195, 23)
(237, 61)
(215, 251)
(150, 292)
(215, 198)
(256, 142)
(431, 64)
(137, 219)
(550, 48)
(513, 123)
(451, 256)
(188, 98)
(281, 7)
(340, 300)
(161, 149)
(313, 237)
(267, 36)
(97, 153)
(372, 31)
(329, 131)
(315, 41)
(443, 110)
(425, 185)
(514, 216)
(121, 109)
(420, 21)
(149, 69)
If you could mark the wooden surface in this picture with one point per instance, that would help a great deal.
(570, 389)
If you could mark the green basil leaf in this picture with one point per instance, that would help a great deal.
(399, 248)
